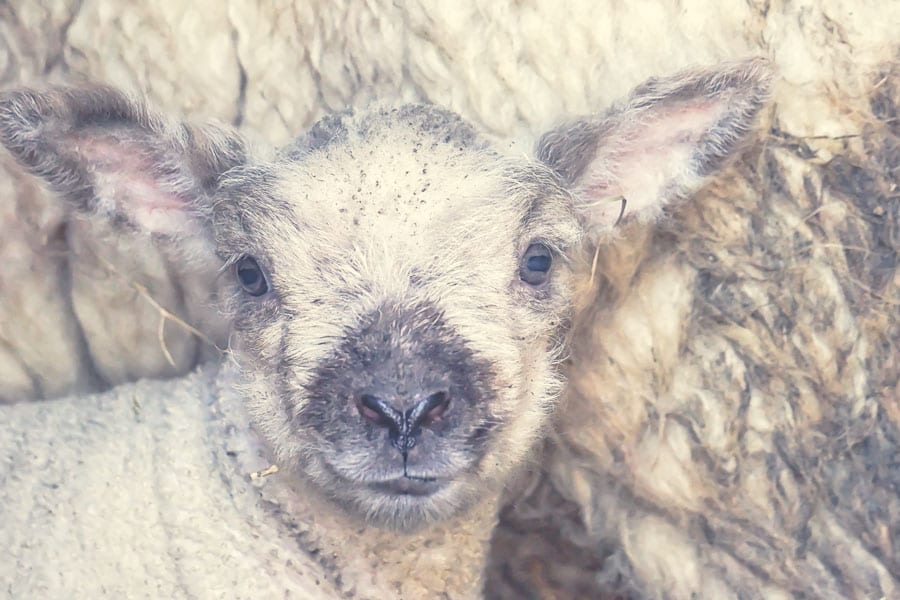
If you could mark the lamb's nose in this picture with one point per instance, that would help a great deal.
(404, 426)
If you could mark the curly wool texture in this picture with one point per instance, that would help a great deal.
(735, 378)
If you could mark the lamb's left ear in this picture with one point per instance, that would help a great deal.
(110, 156)
(659, 144)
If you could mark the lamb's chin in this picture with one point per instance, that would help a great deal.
(408, 506)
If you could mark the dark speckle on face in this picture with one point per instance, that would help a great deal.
(439, 125)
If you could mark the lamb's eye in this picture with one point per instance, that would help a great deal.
(250, 276)
(535, 265)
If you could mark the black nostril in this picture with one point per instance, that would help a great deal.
(404, 427)
(380, 412)
(428, 411)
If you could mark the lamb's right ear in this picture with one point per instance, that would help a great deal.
(659, 144)
(110, 155)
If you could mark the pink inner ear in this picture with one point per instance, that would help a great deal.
(646, 159)
(129, 181)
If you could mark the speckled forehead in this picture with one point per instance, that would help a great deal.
(394, 187)
(390, 188)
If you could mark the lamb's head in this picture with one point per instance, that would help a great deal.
(400, 288)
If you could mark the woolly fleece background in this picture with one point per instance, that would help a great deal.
(736, 372)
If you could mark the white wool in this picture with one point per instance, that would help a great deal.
(126, 495)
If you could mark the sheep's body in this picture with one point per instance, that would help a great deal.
(145, 491)
(132, 491)
(758, 457)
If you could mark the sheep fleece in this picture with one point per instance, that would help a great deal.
(733, 421)
(132, 493)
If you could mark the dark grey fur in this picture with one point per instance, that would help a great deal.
(377, 358)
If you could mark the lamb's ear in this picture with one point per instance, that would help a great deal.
(110, 155)
(657, 145)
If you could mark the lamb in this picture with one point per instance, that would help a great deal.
(399, 296)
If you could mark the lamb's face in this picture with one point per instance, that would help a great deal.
(401, 351)
(401, 290)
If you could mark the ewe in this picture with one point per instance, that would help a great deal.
(400, 297)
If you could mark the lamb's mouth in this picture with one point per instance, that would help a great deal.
(410, 486)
